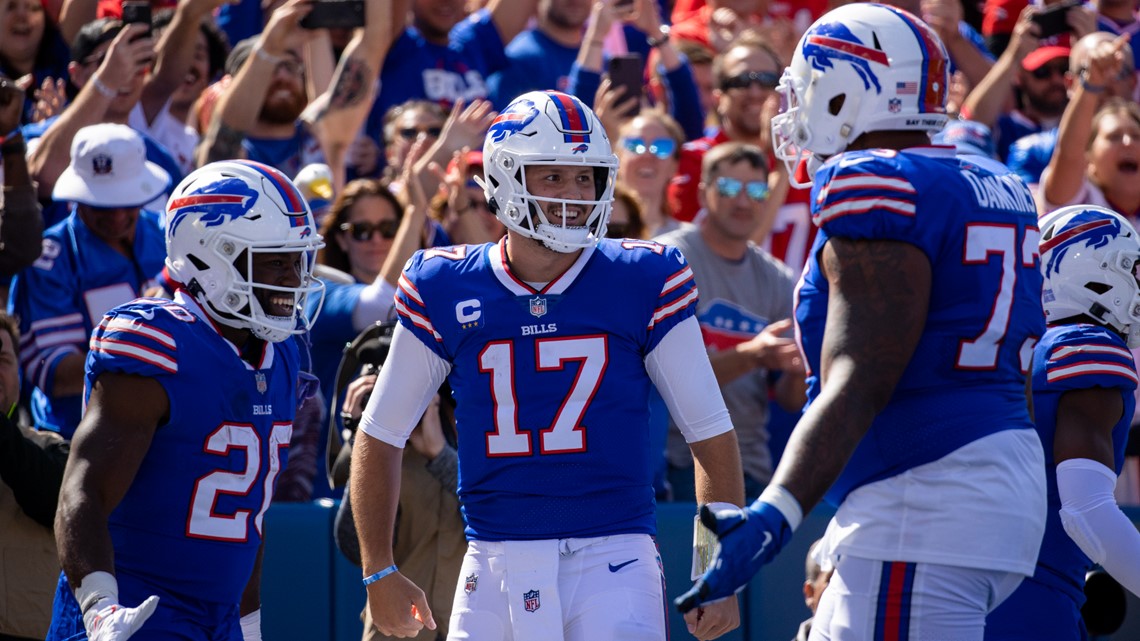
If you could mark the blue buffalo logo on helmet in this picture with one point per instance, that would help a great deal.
(512, 120)
(218, 202)
(833, 41)
(1089, 229)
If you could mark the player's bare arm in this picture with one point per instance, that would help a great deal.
(719, 479)
(375, 488)
(879, 295)
(122, 415)
(1085, 419)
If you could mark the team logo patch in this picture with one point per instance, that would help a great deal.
(832, 42)
(262, 385)
(538, 307)
(101, 165)
(470, 583)
(512, 120)
(306, 232)
(580, 149)
(531, 601)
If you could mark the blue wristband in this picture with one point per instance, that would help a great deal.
(369, 580)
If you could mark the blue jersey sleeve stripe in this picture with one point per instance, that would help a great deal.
(845, 182)
(1090, 369)
(129, 326)
(1070, 351)
(132, 350)
(56, 323)
(665, 311)
(676, 280)
(416, 319)
(840, 208)
(408, 289)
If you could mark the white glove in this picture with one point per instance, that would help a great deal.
(117, 623)
(103, 617)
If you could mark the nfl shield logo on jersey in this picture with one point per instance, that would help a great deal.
(262, 386)
(530, 601)
(538, 306)
(470, 583)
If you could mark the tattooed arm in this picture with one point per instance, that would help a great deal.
(221, 142)
(879, 294)
(340, 112)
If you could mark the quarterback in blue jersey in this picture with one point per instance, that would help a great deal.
(1084, 381)
(190, 406)
(550, 340)
(917, 313)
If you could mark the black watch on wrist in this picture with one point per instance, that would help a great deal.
(661, 38)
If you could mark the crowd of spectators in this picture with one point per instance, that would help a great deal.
(99, 119)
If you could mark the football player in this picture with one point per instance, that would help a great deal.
(1084, 381)
(550, 339)
(917, 313)
(190, 405)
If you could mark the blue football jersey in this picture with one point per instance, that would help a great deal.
(191, 520)
(61, 297)
(977, 224)
(1075, 357)
(551, 387)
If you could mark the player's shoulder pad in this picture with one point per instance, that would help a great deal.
(143, 336)
(859, 188)
(1080, 352)
(436, 262)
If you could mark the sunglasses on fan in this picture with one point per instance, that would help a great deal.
(362, 232)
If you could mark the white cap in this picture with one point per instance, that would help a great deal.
(109, 169)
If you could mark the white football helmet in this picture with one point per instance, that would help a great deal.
(1088, 258)
(226, 212)
(547, 128)
(861, 67)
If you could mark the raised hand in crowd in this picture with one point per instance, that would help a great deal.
(602, 17)
(989, 98)
(1082, 22)
(945, 17)
(127, 60)
(466, 126)
(337, 115)
(613, 107)
(725, 26)
(51, 98)
(11, 106)
(781, 34)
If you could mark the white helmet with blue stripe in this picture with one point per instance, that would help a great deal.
(547, 128)
(861, 67)
(1089, 256)
(217, 219)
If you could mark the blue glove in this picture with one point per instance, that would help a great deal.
(748, 539)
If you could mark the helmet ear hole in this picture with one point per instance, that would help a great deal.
(1099, 288)
(835, 105)
(198, 262)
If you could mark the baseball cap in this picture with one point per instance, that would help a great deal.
(968, 136)
(1041, 55)
(109, 169)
